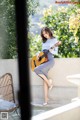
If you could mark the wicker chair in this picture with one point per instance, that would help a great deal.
(7, 93)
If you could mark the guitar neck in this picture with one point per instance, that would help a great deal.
(55, 45)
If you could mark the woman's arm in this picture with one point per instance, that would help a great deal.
(59, 43)
(54, 49)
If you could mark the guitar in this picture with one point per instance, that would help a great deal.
(42, 57)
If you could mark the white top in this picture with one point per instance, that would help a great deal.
(49, 43)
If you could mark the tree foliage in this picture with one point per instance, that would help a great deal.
(65, 22)
(35, 44)
(8, 46)
(8, 25)
(32, 6)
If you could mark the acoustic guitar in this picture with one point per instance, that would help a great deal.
(42, 57)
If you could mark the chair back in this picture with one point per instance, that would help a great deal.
(6, 87)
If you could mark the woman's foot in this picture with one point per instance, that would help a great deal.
(51, 84)
(45, 103)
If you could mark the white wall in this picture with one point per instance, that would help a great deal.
(63, 91)
(58, 73)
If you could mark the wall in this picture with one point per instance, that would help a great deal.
(63, 91)
(58, 73)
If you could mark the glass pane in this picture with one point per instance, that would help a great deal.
(9, 83)
(64, 22)
(62, 18)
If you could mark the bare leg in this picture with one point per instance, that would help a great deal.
(47, 85)
(45, 92)
(45, 78)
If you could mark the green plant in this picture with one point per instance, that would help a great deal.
(35, 44)
(8, 47)
(59, 21)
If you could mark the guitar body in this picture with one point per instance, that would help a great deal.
(35, 62)
(42, 57)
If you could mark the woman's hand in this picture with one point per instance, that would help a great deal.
(37, 55)
(59, 43)
(50, 50)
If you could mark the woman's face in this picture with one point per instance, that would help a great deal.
(46, 34)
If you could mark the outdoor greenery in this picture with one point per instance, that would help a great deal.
(8, 47)
(8, 21)
(32, 6)
(35, 44)
(65, 22)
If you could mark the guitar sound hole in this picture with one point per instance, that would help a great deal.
(39, 58)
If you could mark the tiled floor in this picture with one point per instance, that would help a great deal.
(36, 109)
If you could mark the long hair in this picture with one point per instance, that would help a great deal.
(46, 29)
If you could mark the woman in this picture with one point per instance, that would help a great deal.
(42, 70)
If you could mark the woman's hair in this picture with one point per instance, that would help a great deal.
(46, 29)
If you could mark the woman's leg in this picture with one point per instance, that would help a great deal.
(45, 92)
(45, 79)
(47, 84)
